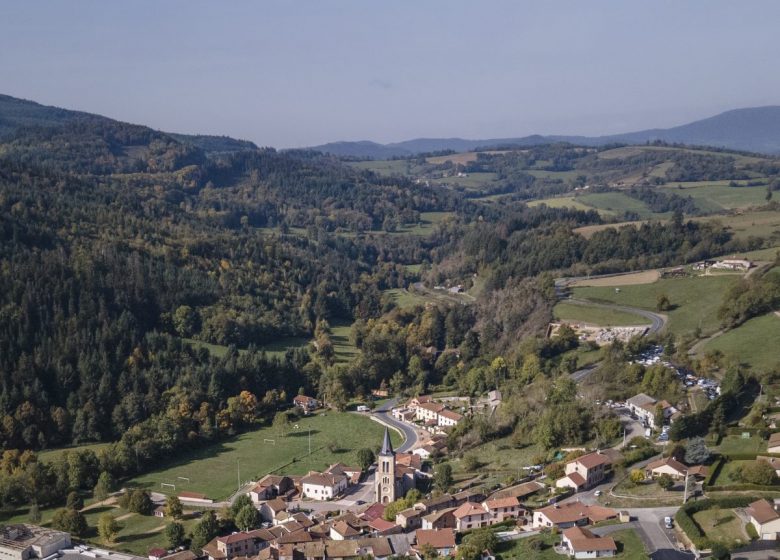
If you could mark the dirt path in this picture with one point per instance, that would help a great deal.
(125, 516)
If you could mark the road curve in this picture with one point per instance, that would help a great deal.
(410, 435)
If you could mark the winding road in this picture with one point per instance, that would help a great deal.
(411, 436)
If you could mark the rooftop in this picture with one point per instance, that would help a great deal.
(762, 511)
(437, 538)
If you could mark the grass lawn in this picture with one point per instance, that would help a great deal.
(596, 315)
(727, 474)
(696, 299)
(734, 444)
(567, 202)
(629, 545)
(500, 459)
(721, 525)
(214, 470)
(755, 342)
(138, 533)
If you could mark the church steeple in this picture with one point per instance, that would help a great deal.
(387, 446)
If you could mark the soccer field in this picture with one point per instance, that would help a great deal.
(215, 470)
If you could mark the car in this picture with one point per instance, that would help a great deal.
(668, 522)
(597, 493)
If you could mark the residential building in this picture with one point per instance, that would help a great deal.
(410, 519)
(271, 486)
(470, 516)
(341, 530)
(773, 445)
(441, 519)
(584, 472)
(765, 519)
(520, 491)
(645, 408)
(448, 418)
(270, 509)
(581, 543)
(323, 486)
(570, 514)
(442, 540)
(243, 543)
(305, 403)
(502, 509)
(669, 466)
(428, 411)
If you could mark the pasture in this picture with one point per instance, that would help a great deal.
(632, 279)
(753, 343)
(216, 470)
(695, 300)
(571, 312)
(717, 196)
(565, 202)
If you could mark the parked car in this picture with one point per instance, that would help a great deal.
(668, 522)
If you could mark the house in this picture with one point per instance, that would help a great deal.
(584, 472)
(410, 519)
(323, 486)
(669, 466)
(765, 519)
(645, 407)
(442, 540)
(470, 515)
(733, 264)
(156, 553)
(570, 514)
(428, 411)
(382, 526)
(581, 543)
(501, 509)
(520, 491)
(448, 418)
(773, 461)
(374, 511)
(442, 519)
(341, 531)
(773, 445)
(271, 486)
(305, 403)
(352, 473)
(270, 509)
(243, 543)
(159, 511)
(22, 541)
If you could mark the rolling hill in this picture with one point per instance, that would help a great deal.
(754, 129)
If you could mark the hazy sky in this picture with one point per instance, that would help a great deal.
(294, 73)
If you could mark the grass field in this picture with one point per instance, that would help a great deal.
(735, 444)
(759, 224)
(721, 525)
(55, 454)
(426, 225)
(277, 348)
(696, 299)
(588, 231)
(388, 167)
(617, 203)
(644, 277)
(629, 545)
(727, 477)
(342, 346)
(471, 181)
(566, 202)
(595, 315)
(138, 533)
(214, 470)
(716, 196)
(754, 343)
(404, 298)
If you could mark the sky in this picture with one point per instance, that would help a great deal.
(300, 73)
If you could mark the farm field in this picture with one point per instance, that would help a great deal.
(629, 151)
(759, 224)
(50, 455)
(617, 203)
(588, 231)
(404, 298)
(696, 299)
(342, 346)
(566, 202)
(644, 277)
(462, 158)
(716, 196)
(213, 470)
(566, 311)
(472, 180)
(754, 342)
(428, 222)
(386, 167)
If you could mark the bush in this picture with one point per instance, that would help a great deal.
(750, 529)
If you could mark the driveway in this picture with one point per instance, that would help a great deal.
(411, 435)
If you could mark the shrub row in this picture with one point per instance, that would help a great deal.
(744, 486)
(715, 469)
(748, 456)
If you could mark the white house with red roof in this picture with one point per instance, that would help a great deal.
(584, 472)
(581, 543)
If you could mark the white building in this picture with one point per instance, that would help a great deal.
(322, 486)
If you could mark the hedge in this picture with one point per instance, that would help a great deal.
(715, 469)
(685, 521)
(744, 486)
(748, 456)
(750, 529)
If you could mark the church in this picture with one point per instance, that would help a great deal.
(393, 480)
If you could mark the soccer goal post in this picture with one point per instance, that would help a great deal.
(164, 485)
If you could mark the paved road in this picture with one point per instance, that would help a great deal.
(656, 321)
(411, 435)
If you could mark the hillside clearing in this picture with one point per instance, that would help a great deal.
(753, 343)
(594, 315)
(635, 278)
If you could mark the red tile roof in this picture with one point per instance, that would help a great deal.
(437, 538)
(469, 508)
(592, 460)
(583, 540)
(762, 511)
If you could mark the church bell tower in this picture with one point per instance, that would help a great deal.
(385, 472)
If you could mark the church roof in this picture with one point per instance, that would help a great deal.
(387, 447)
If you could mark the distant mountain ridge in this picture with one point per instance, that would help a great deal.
(18, 113)
(755, 129)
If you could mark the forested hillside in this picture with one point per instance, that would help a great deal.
(122, 249)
